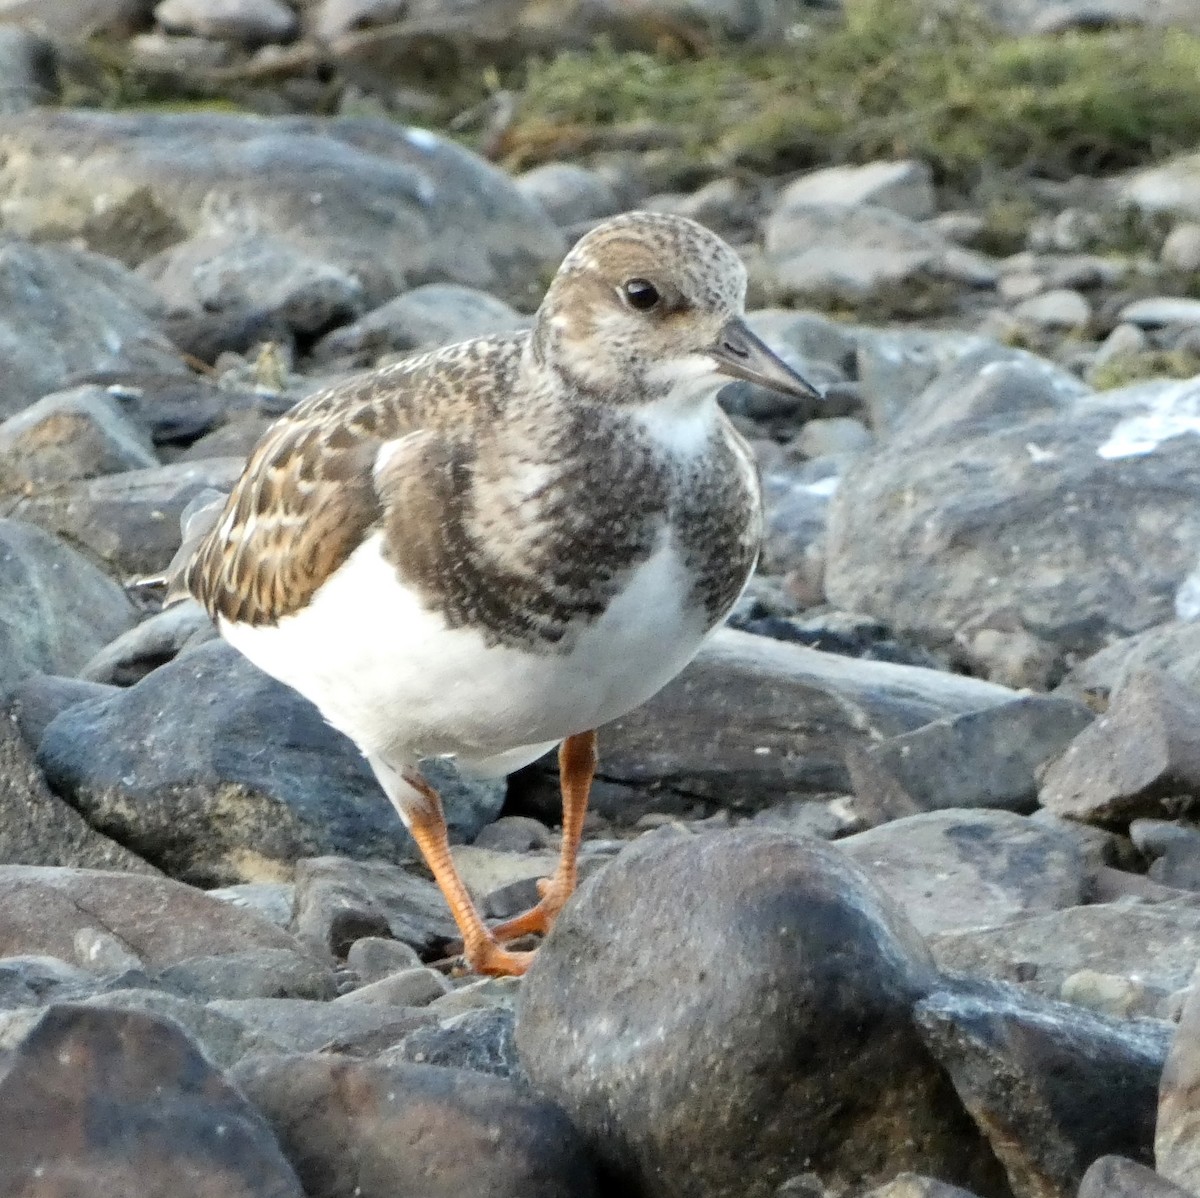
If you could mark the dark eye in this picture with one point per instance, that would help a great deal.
(640, 294)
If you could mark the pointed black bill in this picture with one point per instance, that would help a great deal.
(741, 355)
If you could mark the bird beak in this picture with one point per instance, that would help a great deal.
(741, 355)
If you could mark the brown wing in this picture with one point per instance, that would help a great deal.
(308, 495)
(303, 504)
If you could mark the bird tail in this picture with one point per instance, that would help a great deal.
(196, 521)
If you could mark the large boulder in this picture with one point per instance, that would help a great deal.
(1010, 494)
(392, 206)
(718, 1012)
(217, 773)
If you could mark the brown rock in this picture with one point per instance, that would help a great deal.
(738, 1008)
(81, 433)
(161, 921)
(1116, 1177)
(354, 1129)
(96, 1103)
(1144, 750)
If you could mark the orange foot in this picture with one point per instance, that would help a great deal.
(487, 957)
(540, 918)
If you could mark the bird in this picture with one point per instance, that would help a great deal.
(492, 549)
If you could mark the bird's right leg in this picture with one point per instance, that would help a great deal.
(420, 808)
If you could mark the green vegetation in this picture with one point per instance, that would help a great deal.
(892, 79)
(1150, 364)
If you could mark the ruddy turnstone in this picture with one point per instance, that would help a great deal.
(492, 549)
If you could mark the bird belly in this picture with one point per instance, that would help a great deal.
(393, 676)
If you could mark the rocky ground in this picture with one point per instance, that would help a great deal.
(896, 890)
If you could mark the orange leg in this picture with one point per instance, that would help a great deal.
(576, 766)
(428, 827)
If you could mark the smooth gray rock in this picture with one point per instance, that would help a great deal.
(1061, 308)
(373, 958)
(265, 274)
(390, 206)
(752, 721)
(307, 1025)
(568, 192)
(63, 311)
(1172, 647)
(904, 186)
(223, 1040)
(1018, 496)
(755, 961)
(37, 827)
(339, 901)
(56, 608)
(1051, 1086)
(424, 318)
(43, 909)
(254, 973)
(34, 702)
(894, 366)
(849, 254)
(250, 22)
(910, 1185)
(152, 643)
(220, 774)
(1118, 1177)
(1167, 187)
(950, 870)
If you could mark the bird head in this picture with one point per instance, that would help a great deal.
(649, 305)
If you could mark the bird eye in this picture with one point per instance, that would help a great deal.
(640, 294)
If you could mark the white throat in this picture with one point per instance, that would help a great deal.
(682, 420)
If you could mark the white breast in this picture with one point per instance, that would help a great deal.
(393, 677)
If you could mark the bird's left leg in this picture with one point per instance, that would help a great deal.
(576, 767)
(420, 806)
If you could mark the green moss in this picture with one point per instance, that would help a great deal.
(1150, 364)
(889, 80)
